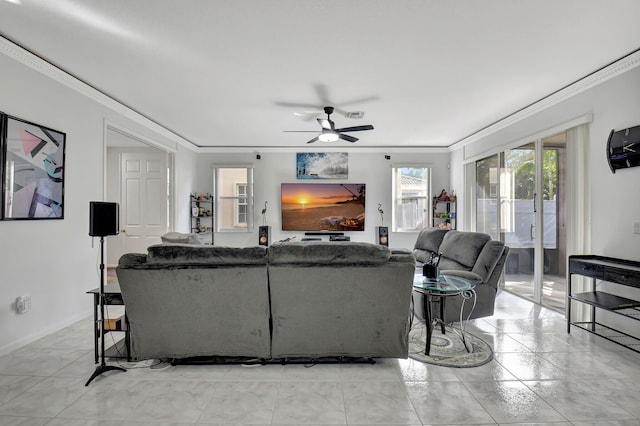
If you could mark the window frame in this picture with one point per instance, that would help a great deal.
(238, 203)
(396, 171)
(222, 206)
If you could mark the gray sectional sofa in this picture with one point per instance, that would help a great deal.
(294, 299)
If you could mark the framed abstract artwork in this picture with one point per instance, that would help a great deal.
(322, 165)
(33, 170)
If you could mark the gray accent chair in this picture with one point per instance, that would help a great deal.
(471, 255)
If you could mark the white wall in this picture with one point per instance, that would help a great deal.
(364, 167)
(55, 261)
(614, 198)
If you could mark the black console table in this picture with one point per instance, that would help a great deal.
(617, 271)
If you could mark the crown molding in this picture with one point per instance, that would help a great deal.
(30, 60)
(392, 149)
(594, 79)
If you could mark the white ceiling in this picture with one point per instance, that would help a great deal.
(233, 73)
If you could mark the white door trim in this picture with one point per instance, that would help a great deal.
(145, 143)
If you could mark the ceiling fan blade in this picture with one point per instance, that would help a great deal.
(307, 115)
(325, 123)
(314, 139)
(355, 128)
(347, 138)
(323, 93)
(360, 100)
(298, 105)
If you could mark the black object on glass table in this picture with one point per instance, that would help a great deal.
(431, 269)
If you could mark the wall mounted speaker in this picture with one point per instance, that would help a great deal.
(264, 235)
(382, 235)
(103, 218)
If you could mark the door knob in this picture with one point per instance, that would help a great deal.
(124, 231)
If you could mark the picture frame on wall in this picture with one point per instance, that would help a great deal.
(32, 170)
(322, 165)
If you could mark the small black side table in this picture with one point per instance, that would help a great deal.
(112, 296)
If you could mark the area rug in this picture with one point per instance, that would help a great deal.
(448, 350)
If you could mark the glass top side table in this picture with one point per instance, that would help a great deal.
(439, 289)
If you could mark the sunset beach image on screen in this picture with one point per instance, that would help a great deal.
(323, 206)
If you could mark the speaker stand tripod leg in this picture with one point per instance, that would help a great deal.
(103, 367)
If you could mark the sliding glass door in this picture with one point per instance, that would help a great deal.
(520, 200)
(554, 215)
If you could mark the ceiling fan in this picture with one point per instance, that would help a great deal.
(329, 133)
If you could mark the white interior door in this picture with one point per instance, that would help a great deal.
(143, 203)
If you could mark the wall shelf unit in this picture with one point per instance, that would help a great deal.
(617, 271)
(443, 213)
(202, 217)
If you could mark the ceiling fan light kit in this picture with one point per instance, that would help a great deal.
(329, 133)
(328, 137)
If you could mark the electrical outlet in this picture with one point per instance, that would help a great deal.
(636, 227)
(23, 304)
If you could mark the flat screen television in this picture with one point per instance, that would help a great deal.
(323, 206)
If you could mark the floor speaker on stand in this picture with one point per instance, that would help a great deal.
(103, 221)
(382, 235)
(264, 235)
(103, 218)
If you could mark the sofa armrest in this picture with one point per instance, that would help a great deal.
(131, 259)
(488, 258)
(467, 275)
(180, 238)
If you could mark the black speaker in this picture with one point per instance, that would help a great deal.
(382, 235)
(264, 235)
(103, 218)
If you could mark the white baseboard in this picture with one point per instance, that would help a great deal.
(17, 344)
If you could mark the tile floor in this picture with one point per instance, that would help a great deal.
(540, 375)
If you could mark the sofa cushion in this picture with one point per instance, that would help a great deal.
(430, 239)
(462, 247)
(422, 256)
(206, 255)
(324, 252)
(180, 238)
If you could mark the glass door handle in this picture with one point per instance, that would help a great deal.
(531, 228)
